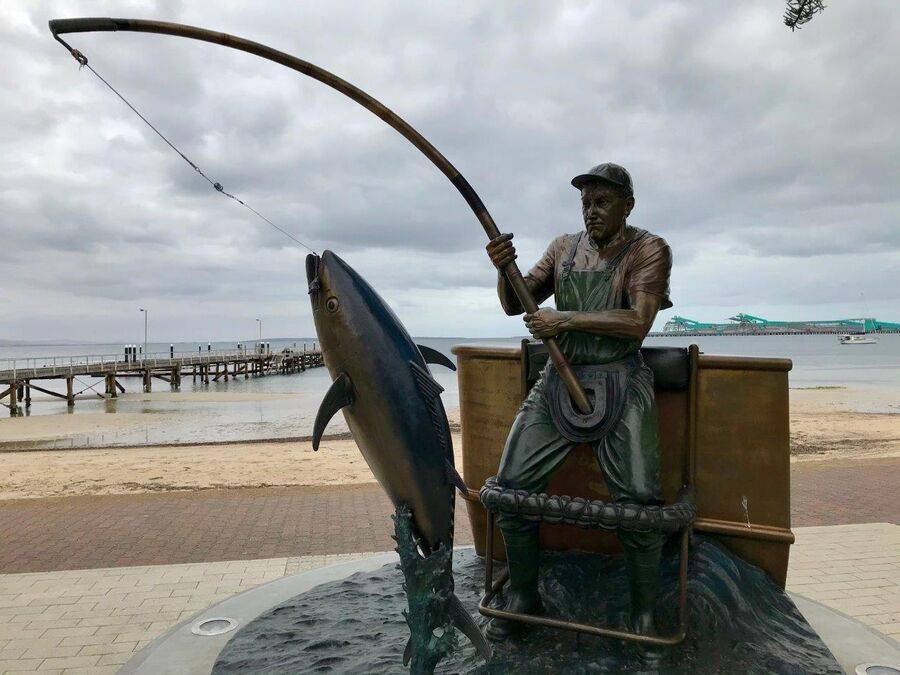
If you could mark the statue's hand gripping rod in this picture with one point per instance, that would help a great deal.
(89, 25)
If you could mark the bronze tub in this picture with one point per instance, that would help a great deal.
(723, 425)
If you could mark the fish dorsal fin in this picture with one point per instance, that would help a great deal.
(427, 385)
(434, 356)
(463, 620)
(339, 395)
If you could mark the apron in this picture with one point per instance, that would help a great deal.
(628, 452)
(602, 363)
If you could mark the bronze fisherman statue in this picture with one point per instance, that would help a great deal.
(609, 282)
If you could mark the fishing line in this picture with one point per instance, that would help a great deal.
(215, 184)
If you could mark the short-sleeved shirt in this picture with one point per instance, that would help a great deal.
(645, 268)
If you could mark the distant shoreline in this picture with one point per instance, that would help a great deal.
(766, 333)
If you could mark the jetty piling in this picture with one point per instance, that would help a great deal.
(18, 376)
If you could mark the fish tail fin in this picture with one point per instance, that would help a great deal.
(407, 653)
(454, 478)
(464, 621)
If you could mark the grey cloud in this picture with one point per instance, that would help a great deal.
(767, 159)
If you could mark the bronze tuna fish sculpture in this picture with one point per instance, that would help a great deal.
(391, 402)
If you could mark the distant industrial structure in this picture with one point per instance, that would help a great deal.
(747, 324)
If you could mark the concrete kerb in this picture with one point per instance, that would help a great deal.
(181, 652)
(851, 642)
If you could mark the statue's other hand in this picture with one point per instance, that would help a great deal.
(501, 251)
(546, 322)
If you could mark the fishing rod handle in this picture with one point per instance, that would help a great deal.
(576, 391)
(523, 293)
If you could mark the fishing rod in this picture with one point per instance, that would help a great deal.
(511, 270)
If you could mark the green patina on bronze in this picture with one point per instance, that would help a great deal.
(429, 589)
(740, 622)
(606, 299)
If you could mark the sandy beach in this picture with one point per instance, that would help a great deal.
(825, 423)
(837, 422)
(157, 469)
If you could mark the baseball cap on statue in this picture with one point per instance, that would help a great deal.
(607, 173)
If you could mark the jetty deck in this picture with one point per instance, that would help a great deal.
(18, 376)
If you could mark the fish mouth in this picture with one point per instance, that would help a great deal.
(312, 272)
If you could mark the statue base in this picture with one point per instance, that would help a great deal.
(739, 621)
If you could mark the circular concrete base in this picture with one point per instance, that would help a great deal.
(852, 643)
(183, 651)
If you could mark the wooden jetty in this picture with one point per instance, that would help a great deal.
(18, 376)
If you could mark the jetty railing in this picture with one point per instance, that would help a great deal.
(18, 376)
(48, 366)
(42, 366)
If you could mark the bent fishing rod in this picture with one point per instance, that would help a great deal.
(511, 270)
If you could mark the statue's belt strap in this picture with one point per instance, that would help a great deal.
(589, 513)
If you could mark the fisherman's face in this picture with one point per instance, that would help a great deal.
(604, 211)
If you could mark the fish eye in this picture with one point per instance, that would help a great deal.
(332, 304)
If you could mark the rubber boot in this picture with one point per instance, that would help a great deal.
(642, 566)
(521, 592)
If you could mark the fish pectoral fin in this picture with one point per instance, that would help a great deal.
(454, 477)
(434, 356)
(463, 620)
(339, 395)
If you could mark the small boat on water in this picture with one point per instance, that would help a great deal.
(858, 339)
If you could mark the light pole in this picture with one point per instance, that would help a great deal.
(258, 333)
(146, 315)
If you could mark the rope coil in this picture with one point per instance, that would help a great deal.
(589, 513)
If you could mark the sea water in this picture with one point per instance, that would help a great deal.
(284, 406)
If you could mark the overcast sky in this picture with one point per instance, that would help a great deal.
(767, 159)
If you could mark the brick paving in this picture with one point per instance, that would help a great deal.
(854, 569)
(83, 586)
(845, 491)
(91, 621)
(69, 533)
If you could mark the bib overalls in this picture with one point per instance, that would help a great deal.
(628, 455)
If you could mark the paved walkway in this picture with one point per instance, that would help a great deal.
(841, 492)
(854, 569)
(66, 533)
(91, 621)
(87, 581)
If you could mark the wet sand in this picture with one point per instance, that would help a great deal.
(825, 423)
(831, 422)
